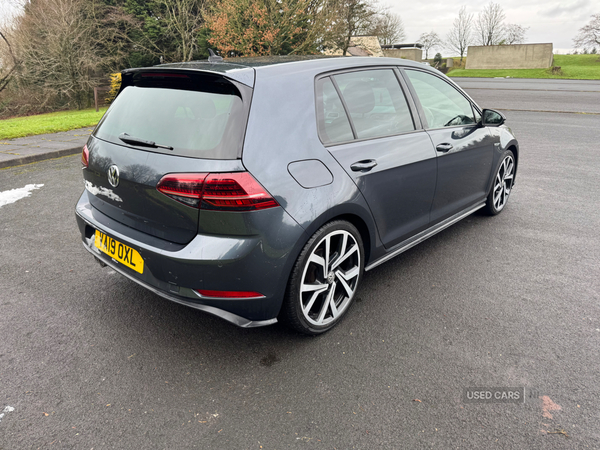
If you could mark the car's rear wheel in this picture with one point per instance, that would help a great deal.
(325, 278)
(502, 186)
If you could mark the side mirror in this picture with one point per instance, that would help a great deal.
(492, 118)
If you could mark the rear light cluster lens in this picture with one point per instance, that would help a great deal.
(85, 157)
(237, 191)
(184, 187)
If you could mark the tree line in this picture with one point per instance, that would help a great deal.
(53, 52)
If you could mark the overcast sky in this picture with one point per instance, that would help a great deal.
(554, 21)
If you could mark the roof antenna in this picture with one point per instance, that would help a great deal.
(213, 57)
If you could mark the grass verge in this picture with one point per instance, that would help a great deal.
(574, 67)
(49, 123)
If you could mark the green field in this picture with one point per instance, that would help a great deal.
(49, 123)
(578, 67)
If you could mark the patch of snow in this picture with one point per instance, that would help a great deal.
(6, 410)
(13, 195)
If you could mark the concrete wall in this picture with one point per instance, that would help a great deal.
(520, 56)
(414, 54)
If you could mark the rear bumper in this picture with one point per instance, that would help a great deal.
(230, 317)
(256, 262)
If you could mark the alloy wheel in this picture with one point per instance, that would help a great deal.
(503, 182)
(330, 278)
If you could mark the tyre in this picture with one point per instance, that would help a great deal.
(324, 279)
(502, 185)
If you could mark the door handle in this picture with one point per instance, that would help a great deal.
(443, 148)
(365, 164)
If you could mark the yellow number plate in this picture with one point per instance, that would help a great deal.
(119, 252)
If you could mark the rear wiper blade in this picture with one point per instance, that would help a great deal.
(141, 142)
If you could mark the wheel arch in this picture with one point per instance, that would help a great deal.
(354, 214)
(362, 228)
(514, 148)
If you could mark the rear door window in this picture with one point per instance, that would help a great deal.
(334, 126)
(198, 116)
(375, 103)
(372, 105)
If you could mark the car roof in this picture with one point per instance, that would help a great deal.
(243, 69)
(253, 61)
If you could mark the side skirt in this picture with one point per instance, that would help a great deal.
(425, 234)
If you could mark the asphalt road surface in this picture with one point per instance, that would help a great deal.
(541, 95)
(90, 360)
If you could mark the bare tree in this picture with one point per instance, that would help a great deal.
(429, 40)
(184, 18)
(589, 34)
(64, 47)
(9, 10)
(55, 43)
(347, 18)
(461, 34)
(489, 25)
(388, 27)
(514, 34)
(8, 63)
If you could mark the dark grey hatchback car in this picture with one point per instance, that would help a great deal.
(261, 190)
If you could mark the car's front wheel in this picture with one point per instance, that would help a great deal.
(502, 186)
(325, 278)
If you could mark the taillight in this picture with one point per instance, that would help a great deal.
(85, 156)
(237, 191)
(228, 294)
(183, 187)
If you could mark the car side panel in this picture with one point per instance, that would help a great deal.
(464, 171)
(285, 131)
(400, 188)
(504, 136)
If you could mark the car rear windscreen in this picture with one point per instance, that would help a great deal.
(200, 116)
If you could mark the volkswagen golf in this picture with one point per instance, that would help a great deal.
(261, 189)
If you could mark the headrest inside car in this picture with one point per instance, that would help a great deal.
(359, 97)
